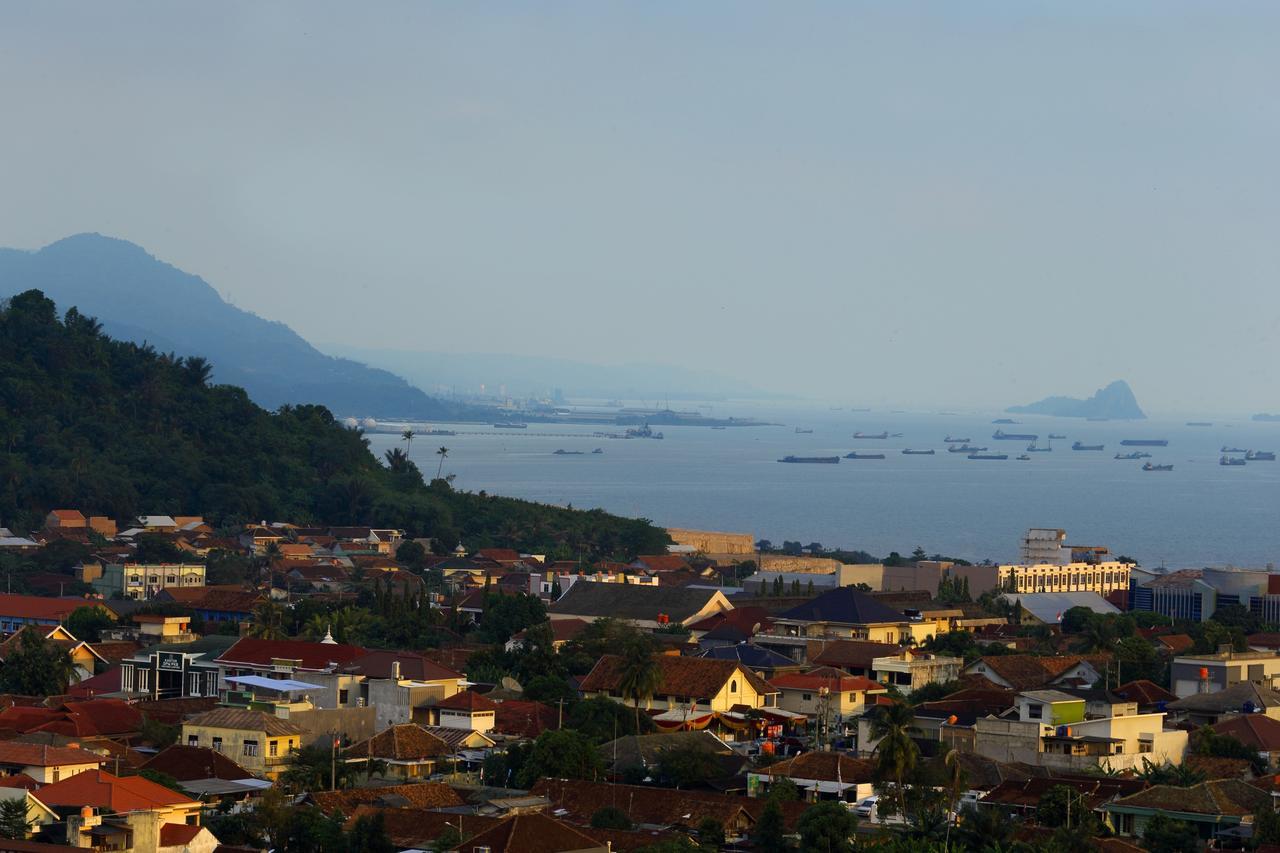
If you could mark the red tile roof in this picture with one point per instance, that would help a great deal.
(851, 654)
(467, 700)
(404, 742)
(749, 620)
(1145, 692)
(660, 562)
(685, 677)
(525, 718)
(1221, 797)
(533, 833)
(75, 719)
(413, 666)
(19, 780)
(188, 763)
(176, 834)
(43, 755)
(1176, 643)
(38, 607)
(1256, 730)
(423, 795)
(824, 767)
(103, 790)
(826, 676)
(106, 682)
(313, 656)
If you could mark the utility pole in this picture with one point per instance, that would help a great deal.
(333, 762)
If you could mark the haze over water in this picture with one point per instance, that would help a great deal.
(1200, 513)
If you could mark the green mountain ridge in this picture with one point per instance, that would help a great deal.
(118, 429)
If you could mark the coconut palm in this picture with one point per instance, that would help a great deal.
(397, 459)
(896, 751)
(442, 453)
(268, 622)
(407, 438)
(639, 676)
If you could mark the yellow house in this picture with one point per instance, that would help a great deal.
(258, 742)
(83, 657)
(685, 683)
(845, 613)
(842, 694)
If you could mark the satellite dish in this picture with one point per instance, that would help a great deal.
(511, 684)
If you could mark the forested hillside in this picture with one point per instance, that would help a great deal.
(119, 429)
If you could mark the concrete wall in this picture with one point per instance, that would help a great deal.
(715, 544)
(318, 724)
(812, 565)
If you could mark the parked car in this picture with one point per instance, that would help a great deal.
(866, 810)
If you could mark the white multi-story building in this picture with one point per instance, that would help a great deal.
(1045, 545)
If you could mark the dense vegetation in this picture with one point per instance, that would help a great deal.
(119, 429)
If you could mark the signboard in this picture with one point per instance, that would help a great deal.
(170, 661)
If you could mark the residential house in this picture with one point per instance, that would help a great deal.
(214, 603)
(1028, 672)
(43, 763)
(418, 795)
(686, 684)
(562, 631)
(39, 815)
(826, 690)
(646, 607)
(65, 519)
(84, 658)
(408, 751)
(640, 755)
(196, 764)
(856, 657)
(256, 741)
(1049, 728)
(1192, 674)
(1148, 695)
(747, 621)
(845, 613)
(1210, 807)
(19, 610)
(258, 539)
(467, 710)
(909, 670)
(1258, 731)
(1017, 799)
(1047, 608)
(393, 683)
(297, 659)
(761, 661)
(523, 718)
(104, 796)
(1206, 709)
(819, 775)
(111, 718)
(140, 581)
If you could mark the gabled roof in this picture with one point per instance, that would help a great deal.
(1145, 692)
(1176, 643)
(1256, 730)
(75, 719)
(580, 799)
(313, 656)
(845, 606)
(1222, 701)
(1049, 607)
(38, 607)
(243, 719)
(1029, 791)
(413, 666)
(533, 833)
(176, 834)
(191, 763)
(686, 677)
(213, 598)
(103, 790)
(823, 767)
(1220, 797)
(423, 795)
(404, 742)
(595, 600)
(1029, 671)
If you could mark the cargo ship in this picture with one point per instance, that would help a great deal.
(950, 440)
(811, 460)
(964, 448)
(642, 432)
(1226, 449)
(884, 434)
(910, 452)
(1145, 442)
(1199, 423)
(1053, 437)
(1137, 454)
(1001, 435)
(856, 455)
(1079, 446)
(1150, 467)
(510, 426)
(1260, 456)
(1004, 421)
(1023, 458)
(995, 456)
(1231, 461)
(1033, 448)
(803, 431)
(563, 452)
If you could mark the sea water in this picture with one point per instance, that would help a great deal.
(1200, 513)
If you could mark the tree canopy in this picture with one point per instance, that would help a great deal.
(119, 429)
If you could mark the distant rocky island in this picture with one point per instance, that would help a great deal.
(1115, 402)
(1267, 419)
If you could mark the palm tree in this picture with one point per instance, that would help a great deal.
(397, 459)
(984, 829)
(407, 438)
(639, 676)
(893, 727)
(442, 453)
(268, 622)
(952, 762)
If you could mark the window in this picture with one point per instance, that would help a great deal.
(57, 773)
(251, 747)
(193, 740)
(342, 698)
(217, 744)
(1035, 712)
(806, 696)
(273, 748)
(733, 686)
(171, 579)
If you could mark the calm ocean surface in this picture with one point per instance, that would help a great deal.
(1200, 513)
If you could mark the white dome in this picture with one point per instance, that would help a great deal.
(351, 423)
(369, 423)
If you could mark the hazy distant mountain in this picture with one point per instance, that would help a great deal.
(1116, 402)
(521, 375)
(139, 298)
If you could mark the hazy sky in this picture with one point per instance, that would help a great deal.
(946, 203)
